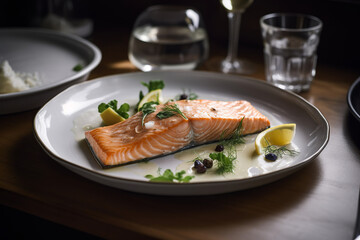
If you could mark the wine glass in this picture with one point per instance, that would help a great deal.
(231, 64)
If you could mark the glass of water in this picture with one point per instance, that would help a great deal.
(168, 38)
(290, 43)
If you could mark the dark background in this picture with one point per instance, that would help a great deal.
(339, 42)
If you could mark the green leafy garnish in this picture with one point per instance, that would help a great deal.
(187, 94)
(78, 67)
(236, 137)
(148, 108)
(225, 164)
(169, 176)
(230, 145)
(152, 85)
(163, 114)
(225, 161)
(170, 110)
(193, 96)
(141, 96)
(122, 111)
(279, 151)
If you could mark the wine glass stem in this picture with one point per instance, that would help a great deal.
(234, 29)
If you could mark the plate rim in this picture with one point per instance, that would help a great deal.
(303, 162)
(350, 93)
(74, 39)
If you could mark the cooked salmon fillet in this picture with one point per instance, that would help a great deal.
(207, 121)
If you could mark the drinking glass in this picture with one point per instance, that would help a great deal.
(61, 16)
(168, 38)
(290, 43)
(232, 64)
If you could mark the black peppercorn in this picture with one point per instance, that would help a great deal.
(208, 163)
(201, 169)
(219, 148)
(183, 96)
(197, 163)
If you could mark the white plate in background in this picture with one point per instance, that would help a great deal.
(52, 55)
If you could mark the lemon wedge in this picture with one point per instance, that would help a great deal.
(109, 116)
(279, 135)
(155, 95)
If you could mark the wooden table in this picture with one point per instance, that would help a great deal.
(317, 202)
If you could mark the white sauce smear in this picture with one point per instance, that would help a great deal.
(248, 162)
(84, 122)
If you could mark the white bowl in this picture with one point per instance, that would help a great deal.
(52, 55)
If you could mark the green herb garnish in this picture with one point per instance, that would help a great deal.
(225, 164)
(193, 96)
(187, 94)
(170, 110)
(146, 109)
(236, 137)
(225, 160)
(152, 85)
(122, 111)
(279, 151)
(78, 67)
(169, 176)
(141, 96)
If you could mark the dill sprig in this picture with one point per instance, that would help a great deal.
(225, 164)
(226, 161)
(170, 110)
(236, 137)
(279, 151)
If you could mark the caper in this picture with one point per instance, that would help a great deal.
(271, 157)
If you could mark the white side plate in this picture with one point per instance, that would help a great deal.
(52, 55)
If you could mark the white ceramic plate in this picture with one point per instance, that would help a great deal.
(353, 99)
(54, 128)
(50, 54)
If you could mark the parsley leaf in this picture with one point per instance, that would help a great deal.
(122, 111)
(154, 85)
(78, 67)
(169, 176)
